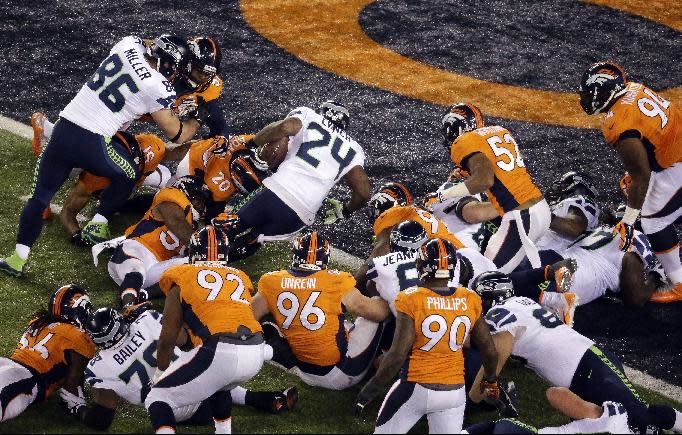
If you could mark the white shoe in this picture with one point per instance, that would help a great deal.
(618, 418)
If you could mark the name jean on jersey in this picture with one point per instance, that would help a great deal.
(129, 349)
(457, 304)
(299, 283)
(138, 65)
(397, 258)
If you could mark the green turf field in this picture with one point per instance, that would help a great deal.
(54, 261)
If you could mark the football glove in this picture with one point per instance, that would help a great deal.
(187, 106)
(491, 390)
(335, 212)
(77, 239)
(627, 234)
(95, 232)
(73, 403)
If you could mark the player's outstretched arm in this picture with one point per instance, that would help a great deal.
(172, 323)
(374, 309)
(503, 343)
(572, 226)
(275, 131)
(633, 154)
(175, 130)
(635, 285)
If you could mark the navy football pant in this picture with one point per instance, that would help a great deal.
(71, 147)
(600, 377)
(267, 215)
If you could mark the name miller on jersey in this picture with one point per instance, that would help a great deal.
(139, 66)
(457, 304)
(299, 283)
(129, 349)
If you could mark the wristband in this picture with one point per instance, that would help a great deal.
(177, 136)
(630, 215)
(457, 191)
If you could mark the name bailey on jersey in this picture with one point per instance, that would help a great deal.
(129, 349)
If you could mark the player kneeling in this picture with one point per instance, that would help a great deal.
(433, 323)
(214, 301)
(51, 354)
(307, 304)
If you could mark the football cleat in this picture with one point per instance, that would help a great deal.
(668, 296)
(285, 401)
(13, 265)
(564, 274)
(562, 305)
(95, 232)
(39, 139)
(600, 87)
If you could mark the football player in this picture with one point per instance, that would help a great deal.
(492, 157)
(611, 417)
(155, 243)
(645, 129)
(50, 356)
(150, 151)
(320, 154)
(126, 363)
(307, 303)
(562, 356)
(225, 165)
(434, 320)
(133, 79)
(214, 301)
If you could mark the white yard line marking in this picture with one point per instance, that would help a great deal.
(352, 262)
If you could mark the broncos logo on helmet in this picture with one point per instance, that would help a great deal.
(310, 251)
(196, 192)
(388, 196)
(459, 119)
(336, 113)
(70, 303)
(600, 86)
(437, 259)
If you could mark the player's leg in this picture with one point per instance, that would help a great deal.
(274, 402)
(221, 408)
(404, 405)
(505, 248)
(18, 389)
(156, 269)
(268, 217)
(589, 417)
(504, 426)
(363, 344)
(446, 410)
(128, 268)
(111, 160)
(51, 171)
(662, 207)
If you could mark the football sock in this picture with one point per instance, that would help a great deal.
(166, 429)
(262, 400)
(678, 422)
(239, 395)
(587, 425)
(224, 426)
(98, 218)
(47, 128)
(664, 417)
(22, 251)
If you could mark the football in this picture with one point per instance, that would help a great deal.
(273, 153)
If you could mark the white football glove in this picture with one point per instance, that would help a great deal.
(72, 402)
(334, 213)
(158, 374)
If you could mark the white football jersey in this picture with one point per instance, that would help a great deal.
(123, 88)
(470, 264)
(319, 156)
(128, 367)
(557, 242)
(599, 262)
(393, 273)
(548, 347)
(464, 231)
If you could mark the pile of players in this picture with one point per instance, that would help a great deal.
(482, 269)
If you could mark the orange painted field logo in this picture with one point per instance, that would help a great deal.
(327, 34)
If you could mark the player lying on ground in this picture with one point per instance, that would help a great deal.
(155, 243)
(562, 356)
(125, 364)
(310, 337)
(50, 356)
(434, 321)
(214, 301)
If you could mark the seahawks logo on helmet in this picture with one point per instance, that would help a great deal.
(407, 236)
(336, 113)
(493, 287)
(106, 327)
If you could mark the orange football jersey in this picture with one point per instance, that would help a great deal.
(434, 227)
(154, 150)
(214, 300)
(512, 185)
(44, 351)
(657, 120)
(210, 159)
(153, 233)
(208, 92)
(442, 323)
(307, 308)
